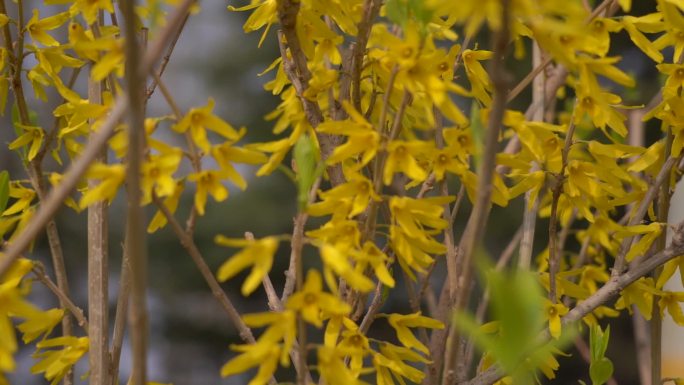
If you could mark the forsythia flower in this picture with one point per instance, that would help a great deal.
(553, 313)
(57, 363)
(258, 253)
(208, 182)
(311, 301)
(198, 120)
(402, 323)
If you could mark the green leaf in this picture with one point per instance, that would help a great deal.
(4, 189)
(477, 133)
(421, 13)
(397, 11)
(306, 160)
(600, 371)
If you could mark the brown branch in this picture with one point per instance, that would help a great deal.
(98, 266)
(65, 302)
(136, 242)
(56, 197)
(554, 255)
(371, 8)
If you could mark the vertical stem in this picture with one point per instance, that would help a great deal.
(531, 207)
(136, 242)
(656, 318)
(98, 266)
(301, 325)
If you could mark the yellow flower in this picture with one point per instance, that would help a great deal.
(600, 29)
(648, 23)
(159, 220)
(343, 234)
(265, 14)
(402, 158)
(226, 154)
(208, 182)
(33, 135)
(390, 361)
(553, 313)
(24, 196)
(37, 27)
(258, 253)
(265, 356)
(39, 322)
(90, 8)
(477, 75)
(362, 138)
(157, 175)
(198, 120)
(337, 261)
(111, 177)
(332, 368)
(402, 323)
(311, 301)
(57, 363)
(639, 293)
(671, 300)
(358, 188)
(373, 256)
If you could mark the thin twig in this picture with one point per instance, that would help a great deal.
(554, 255)
(120, 316)
(39, 271)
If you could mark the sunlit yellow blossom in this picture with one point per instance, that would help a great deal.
(263, 355)
(57, 363)
(24, 196)
(198, 120)
(402, 323)
(332, 368)
(258, 253)
(344, 234)
(208, 182)
(90, 8)
(111, 177)
(226, 154)
(554, 312)
(37, 27)
(649, 23)
(40, 323)
(600, 28)
(358, 188)
(77, 36)
(337, 261)
(33, 135)
(362, 140)
(391, 361)
(312, 300)
(478, 77)
(157, 175)
(372, 256)
(639, 293)
(171, 203)
(402, 158)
